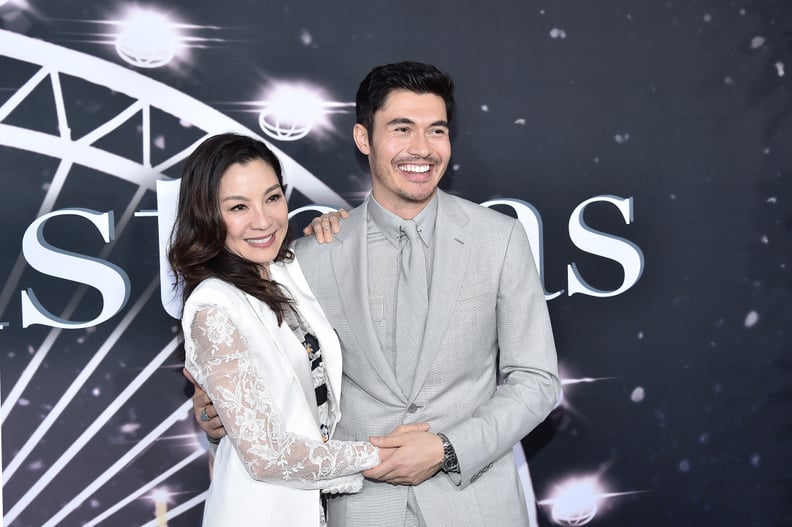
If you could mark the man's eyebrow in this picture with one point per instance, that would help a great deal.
(400, 120)
(407, 120)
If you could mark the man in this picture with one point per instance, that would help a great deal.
(482, 320)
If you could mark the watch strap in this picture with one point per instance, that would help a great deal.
(450, 462)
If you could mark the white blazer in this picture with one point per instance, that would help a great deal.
(235, 498)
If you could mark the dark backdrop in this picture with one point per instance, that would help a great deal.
(677, 391)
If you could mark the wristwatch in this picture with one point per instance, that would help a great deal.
(450, 462)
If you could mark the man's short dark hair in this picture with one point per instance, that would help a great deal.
(411, 76)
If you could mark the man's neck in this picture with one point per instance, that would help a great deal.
(406, 210)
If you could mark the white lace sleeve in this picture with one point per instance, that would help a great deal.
(220, 358)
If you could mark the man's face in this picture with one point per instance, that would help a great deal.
(408, 150)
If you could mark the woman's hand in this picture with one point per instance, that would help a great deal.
(205, 413)
(323, 227)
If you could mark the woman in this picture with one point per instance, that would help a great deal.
(257, 342)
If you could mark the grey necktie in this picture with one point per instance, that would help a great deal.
(412, 304)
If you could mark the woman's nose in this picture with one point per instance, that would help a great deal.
(261, 219)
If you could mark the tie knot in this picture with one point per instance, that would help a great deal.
(410, 229)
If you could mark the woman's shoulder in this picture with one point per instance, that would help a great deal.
(215, 285)
(214, 292)
(284, 271)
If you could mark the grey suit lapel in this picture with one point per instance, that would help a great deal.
(451, 254)
(349, 257)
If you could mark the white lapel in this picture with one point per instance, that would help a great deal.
(292, 277)
(292, 352)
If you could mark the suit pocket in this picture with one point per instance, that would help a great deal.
(473, 290)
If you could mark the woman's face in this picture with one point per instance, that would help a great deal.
(254, 211)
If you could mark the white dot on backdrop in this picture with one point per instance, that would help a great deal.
(684, 465)
(557, 33)
(129, 428)
(637, 395)
(751, 319)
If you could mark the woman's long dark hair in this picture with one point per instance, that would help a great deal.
(197, 244)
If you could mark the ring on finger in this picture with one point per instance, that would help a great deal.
(204, 416)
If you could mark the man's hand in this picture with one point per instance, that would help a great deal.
(323, 227)
(417, 457)
(202, 406)
(385, 453)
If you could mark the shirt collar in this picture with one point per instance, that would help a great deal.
(388, 223)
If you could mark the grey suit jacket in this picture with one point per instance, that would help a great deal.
(487, 322)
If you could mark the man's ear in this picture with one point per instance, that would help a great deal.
(361, 137)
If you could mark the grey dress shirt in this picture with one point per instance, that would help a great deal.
(383, 272)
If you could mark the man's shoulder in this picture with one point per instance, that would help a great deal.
(478, 213)
(308, 246)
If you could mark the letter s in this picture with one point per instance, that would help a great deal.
(111, 281)
(622, 251)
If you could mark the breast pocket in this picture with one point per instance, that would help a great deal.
(468, 291)
(474, 305)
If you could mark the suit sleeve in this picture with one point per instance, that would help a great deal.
(218, 357)
(529, 385)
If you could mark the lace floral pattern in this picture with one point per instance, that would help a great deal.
(218, 357)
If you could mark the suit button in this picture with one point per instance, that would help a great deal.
(412, 408)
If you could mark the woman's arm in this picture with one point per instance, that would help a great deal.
(219, 358)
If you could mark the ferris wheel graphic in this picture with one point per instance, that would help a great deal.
(83, 453)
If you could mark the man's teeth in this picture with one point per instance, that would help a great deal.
(415, 168)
